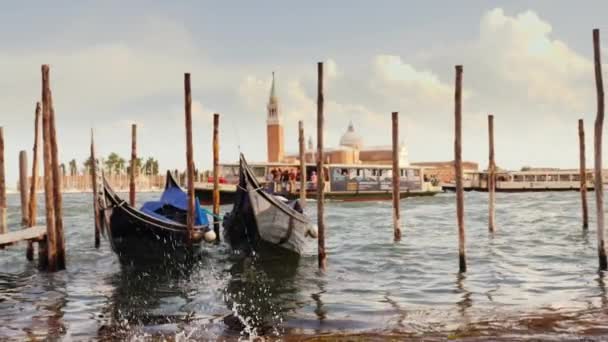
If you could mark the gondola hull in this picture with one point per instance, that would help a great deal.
(260, 222)
(138, 238)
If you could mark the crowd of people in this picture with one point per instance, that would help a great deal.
(285, 180)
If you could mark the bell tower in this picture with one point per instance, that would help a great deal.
(274, 128)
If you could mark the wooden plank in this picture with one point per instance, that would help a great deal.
(33, 233)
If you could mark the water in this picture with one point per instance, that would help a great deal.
(535, 278)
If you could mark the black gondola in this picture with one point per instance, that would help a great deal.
(260, 219)
(157, 232)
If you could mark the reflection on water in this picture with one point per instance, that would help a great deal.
(535, 277)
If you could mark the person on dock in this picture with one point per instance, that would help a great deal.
(292, 181)
(285, 180)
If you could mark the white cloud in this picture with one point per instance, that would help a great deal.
(534, 83)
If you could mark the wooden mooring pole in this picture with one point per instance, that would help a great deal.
(491, 176)
(458, 170)
(583, 173)
(189, 156)
(133, 167)
(216, 176)
(33, 208)
(396, 179)
(599, 126)
(3, 227)
(57, 180)
(95, 193)
(302, 150)
(23, 188)
(51, 239)
(321, 176)
(23, 193)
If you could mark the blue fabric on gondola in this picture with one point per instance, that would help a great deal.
(201, 217)
(175, 197)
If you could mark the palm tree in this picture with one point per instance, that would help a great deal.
(138, 167)
(119, 166)
(111, 162)
(155, 167)
(151, 166)
(87, 164)
(73, 167)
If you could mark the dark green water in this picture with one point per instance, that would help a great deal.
(535, 278)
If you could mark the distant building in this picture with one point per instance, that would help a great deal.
(274, 128)
(351, 148)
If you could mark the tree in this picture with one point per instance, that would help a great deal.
(111, 163)
(87, 164)
(119, 166)
(138, 167)
(73, 167)
(150, 167)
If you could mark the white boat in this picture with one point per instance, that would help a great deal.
(522, 181)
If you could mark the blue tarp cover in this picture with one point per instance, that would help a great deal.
(175, 197)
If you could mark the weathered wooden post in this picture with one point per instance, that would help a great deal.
(23, 187)
(396, 179)
(599, 126)
(216, 176)
(133, 166)
(51, 240)
(3, 227)
(583, 172)
(321, 176)
(458, 170)
(93, 170)
(302, 163)
(491, 176)
(57, 189)
(23, 193)
(189, 156)
(33, 208)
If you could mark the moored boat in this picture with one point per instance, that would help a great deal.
(343, 182)
(525, 181)
(157, 232)
(260, 221)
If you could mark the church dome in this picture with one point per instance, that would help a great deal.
(351, 139)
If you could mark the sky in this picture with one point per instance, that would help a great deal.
(114, 63)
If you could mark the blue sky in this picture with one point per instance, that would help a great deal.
(114, 63)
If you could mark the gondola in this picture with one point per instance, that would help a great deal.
(157, 232)
(261, 222)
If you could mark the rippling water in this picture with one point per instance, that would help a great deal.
(535, 277)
